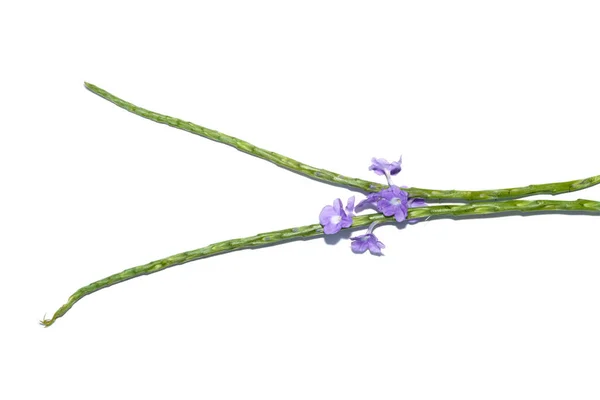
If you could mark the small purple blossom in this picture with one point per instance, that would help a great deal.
(390, 201)
(382, 167)
(334, 218)
(394, 201)
(361, 243)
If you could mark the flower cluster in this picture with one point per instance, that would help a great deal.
(389, 201)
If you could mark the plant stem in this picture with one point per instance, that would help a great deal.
(335, 178)
(517, 206)
(504, 194)
(241, 145)
(315, 230)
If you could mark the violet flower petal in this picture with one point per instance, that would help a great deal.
(337, 205)
(332, 228)
(350, 205)
(378, 165)
(358, 245)
(400, 215)
(346, 221)
(326, 213)
(375, 246)
(395, 166)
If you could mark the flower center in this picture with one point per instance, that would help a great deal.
(336, 219)
(395, 201)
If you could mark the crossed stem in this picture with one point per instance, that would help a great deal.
(485, 202)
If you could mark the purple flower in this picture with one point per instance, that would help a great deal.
(361, 243)
(394, 201)
(334, 218)
(381, 167)
(391, 201)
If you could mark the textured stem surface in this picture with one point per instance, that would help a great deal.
(504, 194)
(241, 145)
(335, 178)
(315, 230)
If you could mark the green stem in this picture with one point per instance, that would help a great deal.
(311, 231)
(505, 194)
(335, 178)
(241, 145)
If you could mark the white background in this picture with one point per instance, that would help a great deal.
(475, 95)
